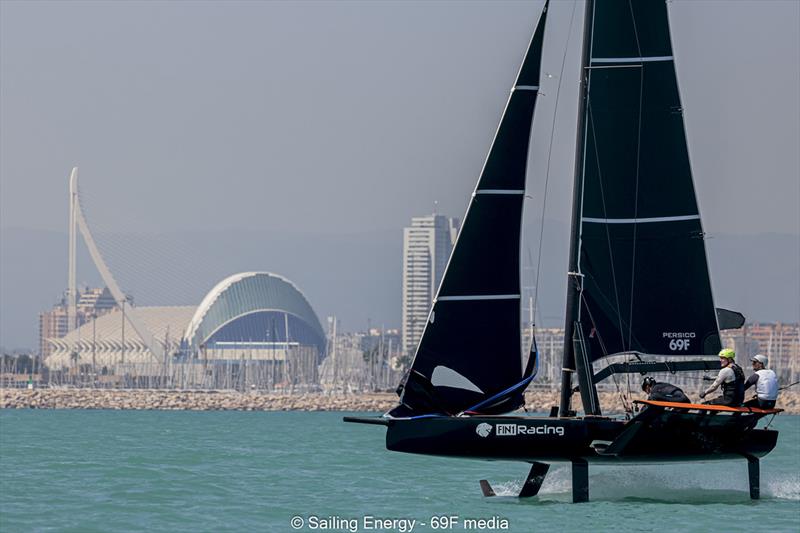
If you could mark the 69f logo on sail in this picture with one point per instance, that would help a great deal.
(679, 341)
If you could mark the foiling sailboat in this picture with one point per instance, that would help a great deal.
(638, 282)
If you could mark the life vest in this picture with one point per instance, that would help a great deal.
(767, 384)
(733, 391)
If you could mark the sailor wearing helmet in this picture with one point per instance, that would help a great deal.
(731, 378)
(766, 383)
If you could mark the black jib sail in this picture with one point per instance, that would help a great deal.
(469, 356)
(645, 281)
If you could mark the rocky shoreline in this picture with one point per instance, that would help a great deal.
(138, 399)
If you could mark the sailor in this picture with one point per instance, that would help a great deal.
(766, 383)
(731, 378)
(663, 392)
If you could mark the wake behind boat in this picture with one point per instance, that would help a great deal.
(638, 282)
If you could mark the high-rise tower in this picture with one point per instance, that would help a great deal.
(426, 249)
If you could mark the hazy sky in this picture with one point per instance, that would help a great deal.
(348, 117)
(336, 116)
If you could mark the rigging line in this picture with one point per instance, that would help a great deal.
(594, 326)
(622, 398)
(635, 30)
(549, 157)
(636, 182)
(584, 353)
(628, 379)
(605, 212)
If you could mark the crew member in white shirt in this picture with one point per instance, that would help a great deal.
(766, 383)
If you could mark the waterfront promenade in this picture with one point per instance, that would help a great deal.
(142, 399)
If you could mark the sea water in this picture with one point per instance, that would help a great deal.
(292, 471)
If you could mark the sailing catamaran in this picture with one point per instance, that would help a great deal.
(638, 282)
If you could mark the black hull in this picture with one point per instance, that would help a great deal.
(657, 437)
(661, 433)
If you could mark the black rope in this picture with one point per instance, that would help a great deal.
(770, 421)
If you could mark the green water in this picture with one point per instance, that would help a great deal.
(254, 471)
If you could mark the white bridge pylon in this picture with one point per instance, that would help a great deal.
(77, 219)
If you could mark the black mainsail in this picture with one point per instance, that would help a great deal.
(642, 283)
(470, 354)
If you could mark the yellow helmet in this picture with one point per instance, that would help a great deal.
(727, 353)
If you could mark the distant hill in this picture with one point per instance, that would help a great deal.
(355, 276)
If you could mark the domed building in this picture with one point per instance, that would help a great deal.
(253, 329)
(256, 310)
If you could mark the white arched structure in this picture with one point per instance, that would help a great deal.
(100, 341)
(245, 294)
(77, 218)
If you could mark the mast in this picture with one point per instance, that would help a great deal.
(575, 280)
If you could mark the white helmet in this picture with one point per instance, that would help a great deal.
(761, 359)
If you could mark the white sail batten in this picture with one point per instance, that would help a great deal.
(631, 59)
(479, 297)
(639, 220)
(499, 191)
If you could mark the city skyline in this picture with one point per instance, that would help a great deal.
(377, 260)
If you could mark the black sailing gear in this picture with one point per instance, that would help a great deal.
(733, 391)
(666, 392)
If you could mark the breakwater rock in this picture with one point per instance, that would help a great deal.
(139, 399)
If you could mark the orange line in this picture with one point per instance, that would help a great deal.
(704, 407)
